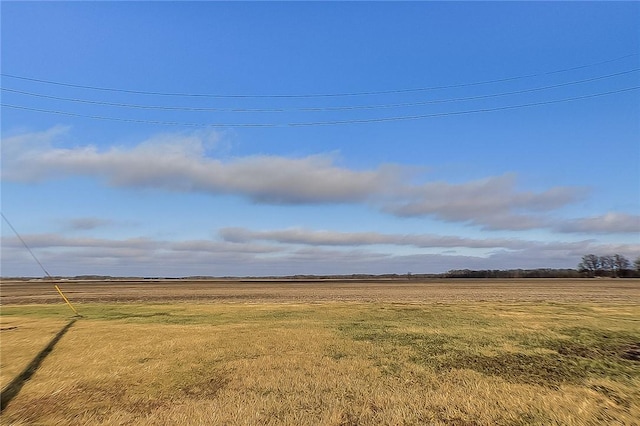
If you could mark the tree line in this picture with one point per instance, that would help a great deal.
(614, 265)
(512, 273)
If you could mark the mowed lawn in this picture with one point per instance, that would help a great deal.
(329, 363)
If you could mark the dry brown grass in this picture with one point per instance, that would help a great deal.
(330, 363)
(20, 339)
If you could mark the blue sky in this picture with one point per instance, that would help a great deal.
(226, 138)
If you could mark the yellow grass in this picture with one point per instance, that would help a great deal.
(334, 363)
(21, 339)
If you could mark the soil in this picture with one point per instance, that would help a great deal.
(322, 290)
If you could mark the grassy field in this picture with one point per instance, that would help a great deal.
(393, 360)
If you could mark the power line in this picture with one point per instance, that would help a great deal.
(327, 123)
(42, 267)
(476, 111)
(316, 109)
(314, 95)
(25, 245)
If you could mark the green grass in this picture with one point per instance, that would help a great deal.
(447, 338)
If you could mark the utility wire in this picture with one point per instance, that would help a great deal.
(316, 109)
(25, 245)
(326, 123)
(476, 111)
(314, 95)
(45, 271)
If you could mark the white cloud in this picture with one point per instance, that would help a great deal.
(332, 238)
(609, 223)
(208, 246)
(493, 202)
(87, 223)
(181, 163)
(305, 237)
(62, 255)
(51, 240)
(284, 252)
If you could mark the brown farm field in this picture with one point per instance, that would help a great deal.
(321, 352)
(323, 290)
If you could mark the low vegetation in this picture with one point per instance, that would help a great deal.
(330, 363)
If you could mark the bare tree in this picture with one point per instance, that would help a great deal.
(590, 264)
(620, 264)
(637, 264)
(607, 265)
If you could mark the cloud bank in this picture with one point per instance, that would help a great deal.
(332, 238)
(244, 252)
(180, 163)
(609, 223)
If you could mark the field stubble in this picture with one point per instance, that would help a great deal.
(365, 357)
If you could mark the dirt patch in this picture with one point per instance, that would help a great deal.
(632, 352)
(206, 388)
(521, 368)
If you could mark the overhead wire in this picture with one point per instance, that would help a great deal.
(315, 95)
(24, 243)
(327, 108)
(325, 123)
(314, 109)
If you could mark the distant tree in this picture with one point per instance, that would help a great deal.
(590, 264)
(637, 264)
(620, 265)
(607, 266)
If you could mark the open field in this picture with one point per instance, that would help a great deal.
(331, 353)
(323, 290)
